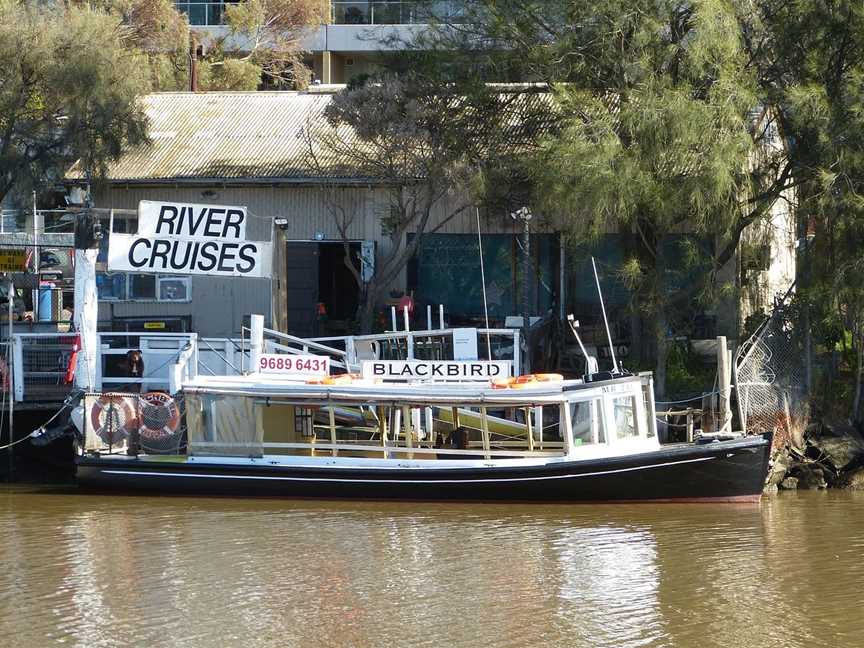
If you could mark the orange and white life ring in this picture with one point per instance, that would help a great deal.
(113, 416)
(526, 380)
(160, 415)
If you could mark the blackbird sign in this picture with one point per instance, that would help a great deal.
(437, 370)
(185, 238)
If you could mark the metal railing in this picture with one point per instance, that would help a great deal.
(301, 346)
(160, 351)
(395, 12)
(434, 344)
(346, 12)
(222, 356)
(39, 362)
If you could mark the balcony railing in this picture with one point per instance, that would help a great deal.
(346, 12)
(395, 12)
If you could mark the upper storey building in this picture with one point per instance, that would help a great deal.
(354, 35)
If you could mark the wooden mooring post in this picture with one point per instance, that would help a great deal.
(724, 374)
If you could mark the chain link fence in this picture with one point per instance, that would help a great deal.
(771, 381)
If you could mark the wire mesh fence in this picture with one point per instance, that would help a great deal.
(771, 379)
(44, 360)
(124, 423)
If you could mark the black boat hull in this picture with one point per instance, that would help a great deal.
(721, 471)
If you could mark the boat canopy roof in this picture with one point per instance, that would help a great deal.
(366, 391)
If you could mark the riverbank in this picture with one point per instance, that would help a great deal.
(832, 456)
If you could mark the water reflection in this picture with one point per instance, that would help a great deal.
(101, 571)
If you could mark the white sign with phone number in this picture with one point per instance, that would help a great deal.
(294, 365)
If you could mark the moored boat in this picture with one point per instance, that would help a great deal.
(539, 438)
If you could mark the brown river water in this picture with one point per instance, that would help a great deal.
(89, 570)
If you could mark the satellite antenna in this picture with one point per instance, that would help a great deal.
(615, 368)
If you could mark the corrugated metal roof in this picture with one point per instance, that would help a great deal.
(227, 136)
(259, 136)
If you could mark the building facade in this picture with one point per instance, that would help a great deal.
(246, 149)
(354, 35)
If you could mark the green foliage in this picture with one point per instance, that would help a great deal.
(157, 32)
(229, 74)
(264, 34)
(68, 92)
(687, 373)
(810, 59)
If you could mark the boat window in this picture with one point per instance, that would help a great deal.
(624, 414)
(587, 426)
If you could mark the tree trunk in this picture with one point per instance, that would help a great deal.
(660, 319)
(859, 373)
(662, 348)
(636, 356)
(366, 310)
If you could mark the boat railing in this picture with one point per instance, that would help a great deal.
(161, 353)
(433, 344)
(386, 450)
(278, 342)
(222, 356)
(37, 363)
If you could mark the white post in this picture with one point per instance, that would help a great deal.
(430, 426)
(441, 316)
(416, 423)
(724, 371)
(405, 317)
(17, 365)
(517, 366)
(86, 317)
(428, 317)
(538, 425)
(393, 318)
(256, 341)
(36, 293)
(484, 431)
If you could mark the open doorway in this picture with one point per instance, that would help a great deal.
(321, 292)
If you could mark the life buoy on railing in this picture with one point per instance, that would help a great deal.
(113, 416)
(160, 415)
(527, 380)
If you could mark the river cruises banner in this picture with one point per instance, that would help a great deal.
(437, 370)
(184, 238)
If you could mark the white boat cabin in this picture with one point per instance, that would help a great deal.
(261, 418)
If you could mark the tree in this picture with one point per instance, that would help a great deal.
(429, 147)
(654, 136)
(399, 141)
(264, 39)
(809, 59)
(157, 31)
(262, 43)
(67, 92)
